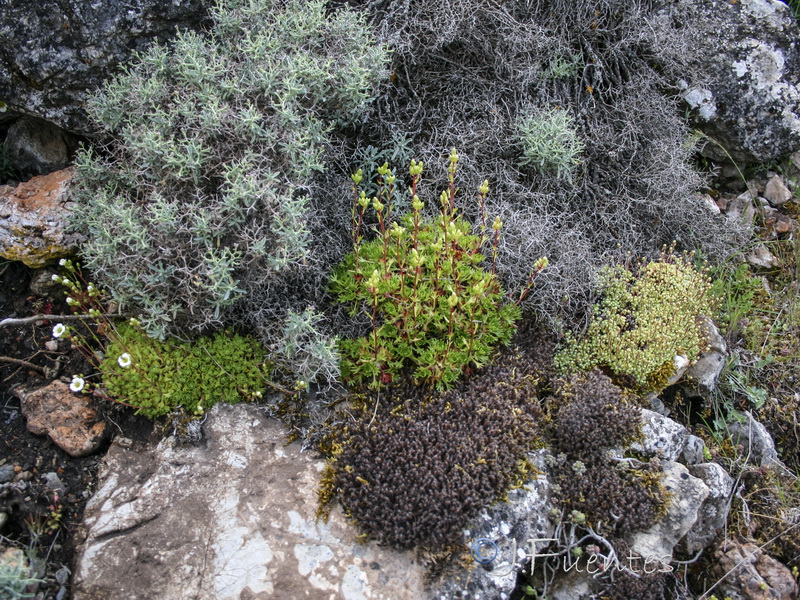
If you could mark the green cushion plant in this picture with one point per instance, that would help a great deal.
(158, 378)
(434, 307)
(644, 319)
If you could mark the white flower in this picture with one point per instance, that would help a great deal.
(124, 360)
(77, 384)
(62, 262)
(56, 278)
(59, 330)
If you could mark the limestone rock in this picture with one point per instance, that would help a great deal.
(776, 192)
(42, 283)
(747, 57)
(661, 436)
(694, 450)
(36, 147)
(704, 372)
(232, 518)
(510, 526)
(762, 258)
(757, 444)
(687, 495)
(741, 210)
(749, 574)
(60, 51)
(66, 418)
(714, 512)
(33, 220)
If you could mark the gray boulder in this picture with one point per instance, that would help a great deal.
(703, 374)
(745, 93)
(54, 52)
(755, 441)
(661, 437)
(714, 512)
(36, 147)
(686, 497)
(233, 518)
(510, 528)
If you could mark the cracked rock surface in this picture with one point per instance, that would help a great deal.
(231, 518)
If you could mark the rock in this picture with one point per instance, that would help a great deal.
(572, 585)
(63, 50)
(741, 210)
(782, 225)
(687, 495)
(703, 374)
(746, 573)
(746, 96)
(33, 220)
(661, 437)
(762, 258)
(776, 192)
(54, 483)
(6, 473)
(709, 203)
(510, 526)
(36, 147)
(232, 518)
(66, 418)
(714, 511)
(42, 283)
(694, 450)
(757, 444)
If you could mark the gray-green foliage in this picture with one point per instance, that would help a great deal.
(17, 579)
(468, 71)
(200, 197)
(550, 141)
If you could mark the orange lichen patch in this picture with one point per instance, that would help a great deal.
(39, 192)
(33, 220)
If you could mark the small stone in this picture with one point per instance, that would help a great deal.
(54, 483)
(783, 225)
(23, 476)
(694, 450)
(6, 473)
(66, 418)
(704, 373)
(42, 283)
(776, 191)
(51, 345)
(3, 520)
(745, 572)
(709, 203)
(123, 442)
(762, 258)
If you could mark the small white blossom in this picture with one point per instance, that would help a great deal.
(59, 330)
(124, 360)
(62, 262)
(77, 384)
(56, 278)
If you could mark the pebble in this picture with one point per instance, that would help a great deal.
(6, 473)
(53, 483)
